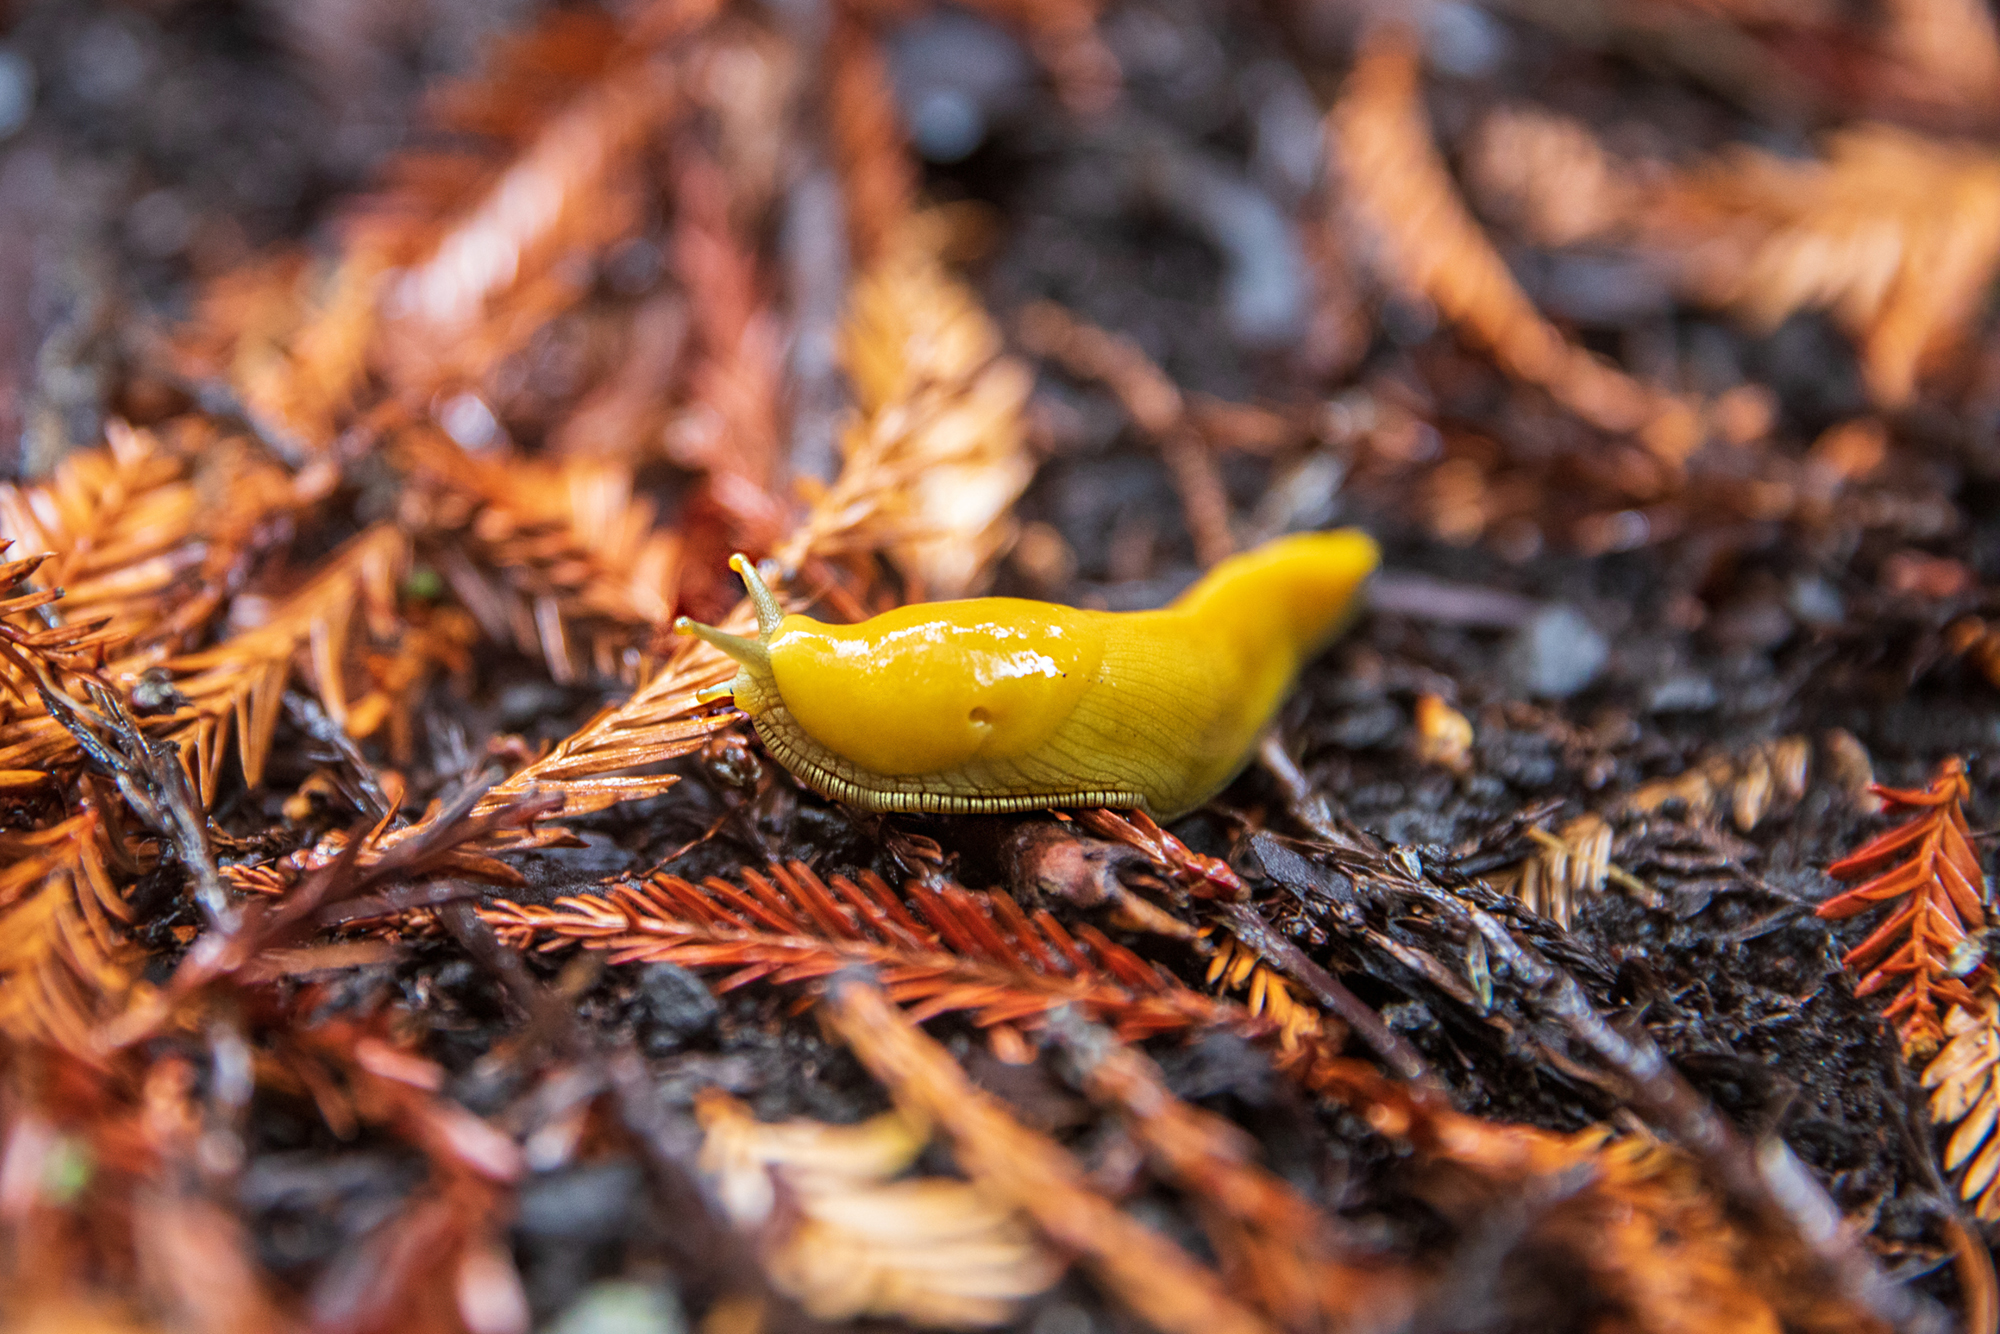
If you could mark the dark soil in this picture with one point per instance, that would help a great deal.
(168, 140)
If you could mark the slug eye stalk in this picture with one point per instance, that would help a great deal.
(769, 613)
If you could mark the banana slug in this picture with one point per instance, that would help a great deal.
(1003, 704)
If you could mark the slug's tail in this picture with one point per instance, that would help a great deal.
(1305, 588)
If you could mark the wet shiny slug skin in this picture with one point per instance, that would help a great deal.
(1003, 704)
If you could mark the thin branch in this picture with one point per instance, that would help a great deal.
(1161, 1283)
(154, 784)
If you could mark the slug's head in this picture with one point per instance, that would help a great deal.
(754, 684)
(921, 689)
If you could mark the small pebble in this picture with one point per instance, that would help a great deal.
(108, 63)
(1263, 298)
(1061, 1318)
(671, 1009)
(580, 1203)
(526, 702)
(1556, 654)
(17, 91)
(466, 419)
(622, 1307)
(954, 75)
(1408, 1016)
(946, 124)
(1755, 623)
(1817, 602)
(1683, 692)
(1462, 39)
(160, 224)
(1366, 725)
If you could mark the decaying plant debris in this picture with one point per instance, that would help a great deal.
(392, 939)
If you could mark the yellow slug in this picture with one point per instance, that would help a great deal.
(1002, 704)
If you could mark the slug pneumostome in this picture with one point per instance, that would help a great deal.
(1003, 704)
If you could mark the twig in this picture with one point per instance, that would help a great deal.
(709, 1246)
(1153, 402)
(1972, 1261)
(1302, 1267)
(1397, 183)
(1212, 880)
(314, 720)
(226, 949)
(1766, 1182)
(1395, 1051)
(395, 901)
(154, 784)
(1164, 1285)
(1306, 803)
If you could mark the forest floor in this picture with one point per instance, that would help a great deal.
(390, 939)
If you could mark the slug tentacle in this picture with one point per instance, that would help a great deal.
(769, 614)
(747, 652)
(1001, 704)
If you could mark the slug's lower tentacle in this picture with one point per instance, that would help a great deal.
(747, 652)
